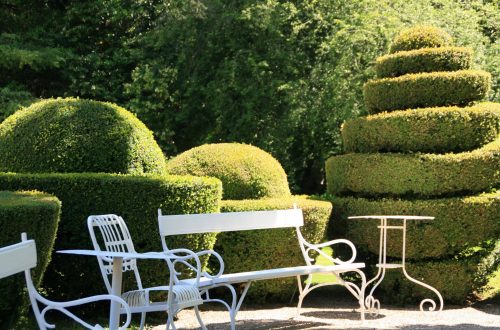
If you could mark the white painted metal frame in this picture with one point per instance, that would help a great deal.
(22, 257)
(237, 221)
(372, 304)
(115, 238)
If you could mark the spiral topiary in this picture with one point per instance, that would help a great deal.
(76, 135)
(441, 161)
(246, 172)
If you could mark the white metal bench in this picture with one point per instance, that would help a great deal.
(236, 221)
(22, 257)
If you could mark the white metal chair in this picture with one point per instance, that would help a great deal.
(115, 237)
(22, 257)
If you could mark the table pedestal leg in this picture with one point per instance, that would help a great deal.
(372, 304)
(431, 301)
(116, 287)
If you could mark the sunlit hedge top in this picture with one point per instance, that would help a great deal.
(246, 172)
(420, 37)
(74, 135)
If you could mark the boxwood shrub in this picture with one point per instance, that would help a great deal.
(460, 222)
(422, 175)
(436, 130)
(424, 60)
(427, 89)
(271, 248)
(246, 172)
(420, 37)
(75, 135)
(136, 198)
(37, 214)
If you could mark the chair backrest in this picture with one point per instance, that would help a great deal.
(231, 221)
(22, 257)
(114, 237)
(17, 258)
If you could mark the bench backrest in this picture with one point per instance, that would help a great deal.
(230, 221)
(17, 258)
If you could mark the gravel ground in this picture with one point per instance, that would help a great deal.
(325, 312)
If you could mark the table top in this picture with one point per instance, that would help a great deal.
(401, 217)
(125, 255)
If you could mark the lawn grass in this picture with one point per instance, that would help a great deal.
(494, 287)
(321, 260)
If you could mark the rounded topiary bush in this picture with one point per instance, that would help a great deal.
(420, 37)
(246, 172)
(75, 135)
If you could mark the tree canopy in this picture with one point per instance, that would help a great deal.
(279, 74)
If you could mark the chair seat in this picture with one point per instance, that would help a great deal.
(186, 296)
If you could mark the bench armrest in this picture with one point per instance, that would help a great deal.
(308, 247)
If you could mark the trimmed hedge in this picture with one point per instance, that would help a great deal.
(456, 280)
(246, 172)
(422, 175)
(460, 222)
(37, 214)
(424, 60)
(426, 90)
(136, 198)
(438, 130)
(271, 248)
(74, 135)
(420, 37)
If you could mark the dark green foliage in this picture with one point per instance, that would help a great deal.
(423, 175)
(271, 248)
(460, 223)
(73, 135)
(420, 37)
(12, 98)
(426, 90)
(439, 130)
(424, 60)
(246, 172)
(37, 214)
(136, 199)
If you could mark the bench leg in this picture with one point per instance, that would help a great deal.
(302, 291)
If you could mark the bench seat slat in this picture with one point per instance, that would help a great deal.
(267, 274)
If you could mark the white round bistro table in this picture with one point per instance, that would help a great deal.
(372, 304)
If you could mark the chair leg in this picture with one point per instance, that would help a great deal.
(198, 316)
(170, 322)
(143, 320)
